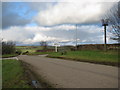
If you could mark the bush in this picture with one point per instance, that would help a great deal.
(25, 52)
(18, 52)
(63, 52)
(8, 47)
(72, 49)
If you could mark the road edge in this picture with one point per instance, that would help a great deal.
(44, 83)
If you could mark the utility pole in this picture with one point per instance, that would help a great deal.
(105, 23)
(105, 38)
(76, 36)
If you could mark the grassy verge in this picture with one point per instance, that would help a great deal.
(13, 75)
(109, 57)
(9, 55)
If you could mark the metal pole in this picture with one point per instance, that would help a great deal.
(76, 36)
(105, 46)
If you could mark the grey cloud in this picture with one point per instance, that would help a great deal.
(39, 6)
(65, 13)
(85, 34)
(11, 18)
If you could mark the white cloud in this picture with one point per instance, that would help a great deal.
(72, 12)
(62, 33)
(34, 34)
(64, 27)
(59, 0)
(66, 14)
(40, 37)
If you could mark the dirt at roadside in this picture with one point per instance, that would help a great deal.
(34, 80)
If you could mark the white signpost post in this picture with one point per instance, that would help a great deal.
(56, 45)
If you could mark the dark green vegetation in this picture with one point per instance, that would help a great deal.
(108, 57)
(8, 47)
(13, 75)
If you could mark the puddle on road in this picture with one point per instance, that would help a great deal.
(33, 81)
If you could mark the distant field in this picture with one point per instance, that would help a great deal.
(13, 75)
(28, 48)
(90, 56)
(32, 49)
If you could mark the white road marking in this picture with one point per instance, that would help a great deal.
(10, 58)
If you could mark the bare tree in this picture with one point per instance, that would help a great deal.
(113, 15)
(8, 47)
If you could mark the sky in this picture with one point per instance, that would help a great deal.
(28, 23)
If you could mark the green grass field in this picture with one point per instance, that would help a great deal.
(98, 56)
(9, 55)
(13, 75)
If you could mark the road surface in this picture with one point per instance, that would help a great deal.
(73, 74)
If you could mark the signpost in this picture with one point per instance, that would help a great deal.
(56, 46)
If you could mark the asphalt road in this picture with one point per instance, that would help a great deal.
(73, 74)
